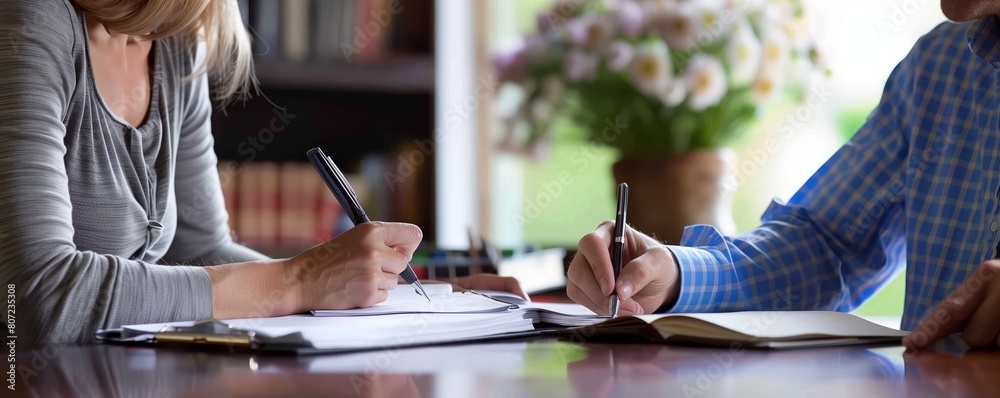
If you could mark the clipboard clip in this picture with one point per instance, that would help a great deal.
(209, 332)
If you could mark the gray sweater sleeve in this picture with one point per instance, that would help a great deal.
(65, 294)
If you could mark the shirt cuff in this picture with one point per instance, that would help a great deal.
(701, 289)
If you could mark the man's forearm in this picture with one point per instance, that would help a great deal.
(784, 266)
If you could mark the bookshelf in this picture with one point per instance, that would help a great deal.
(367, 108)
(409, 74)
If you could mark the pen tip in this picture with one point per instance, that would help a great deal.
(420, 290)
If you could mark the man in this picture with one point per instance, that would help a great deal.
(917, 187)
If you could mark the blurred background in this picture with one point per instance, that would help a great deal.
(480, 121)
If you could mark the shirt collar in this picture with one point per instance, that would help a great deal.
(983, 36)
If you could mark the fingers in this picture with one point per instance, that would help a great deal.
(580, 297)
(581, 277)
(359, 267)
(367, 298)
(382, 247)
(378, 297)
(635, 276)
(394, 263)
(404, 238)
(368, 287)
(954, 313)
(388, 281)
(514, 286)
(594, 247)
(630, 307)
(943, 321)
(591, 278)
(600, 306)
(984, 325)
(649, 281)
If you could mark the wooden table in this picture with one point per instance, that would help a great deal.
(547, 368)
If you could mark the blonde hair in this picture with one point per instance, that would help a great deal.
(217, 23)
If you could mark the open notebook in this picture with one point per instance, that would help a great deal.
(758, 329)
(766, 329)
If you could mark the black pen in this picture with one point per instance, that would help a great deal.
(618, 246)
(349, 201)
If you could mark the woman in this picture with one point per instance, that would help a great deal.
(110, 203)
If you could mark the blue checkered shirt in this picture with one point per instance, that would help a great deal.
(914, 190)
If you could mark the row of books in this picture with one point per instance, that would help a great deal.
(275, 205)
(282, 207)
(337, 30)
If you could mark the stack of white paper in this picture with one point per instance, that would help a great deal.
(367, 332)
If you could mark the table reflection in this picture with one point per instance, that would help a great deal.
(970, 374)
(677, 371)
(538, 368)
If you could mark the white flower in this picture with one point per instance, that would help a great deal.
(674, 94)
(773, 13)
(651, 69)
(618, 55)
(705, 80)
(767, 86)
(748, 7)
(798, 32)
(591, 31)
(774, 50)
(553, 89)
(631, 18)
(675, 25)
(743, 55)
(711, 24)
(579, 65)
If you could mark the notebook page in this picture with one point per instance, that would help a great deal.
(787, 324)
(455, 303)
(403, 293)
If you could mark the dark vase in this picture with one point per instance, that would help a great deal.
(668, 193)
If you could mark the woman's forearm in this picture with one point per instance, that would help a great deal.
(255, 289)
(355, 269)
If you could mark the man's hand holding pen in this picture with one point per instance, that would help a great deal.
(648, 281)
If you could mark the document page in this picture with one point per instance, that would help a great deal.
(455, 303)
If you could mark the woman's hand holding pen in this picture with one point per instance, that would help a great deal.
(649, 279)
(355, 269)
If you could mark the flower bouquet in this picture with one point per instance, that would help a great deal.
(680, 74)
